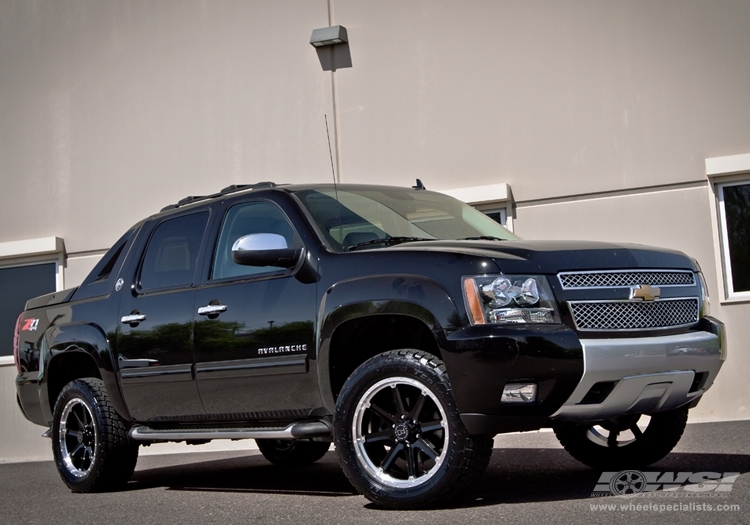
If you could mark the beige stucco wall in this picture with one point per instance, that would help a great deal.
(599, 116)
(553, 97)
(111, 110)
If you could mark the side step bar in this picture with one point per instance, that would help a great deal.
(307, 429)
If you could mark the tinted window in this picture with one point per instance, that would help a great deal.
(348, 218)
(244, 219)
(737, 210)
(18, 285)
(172, 252)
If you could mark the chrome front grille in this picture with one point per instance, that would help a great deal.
(625, 278)
(634, 315)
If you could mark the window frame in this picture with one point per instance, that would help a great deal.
(724, 236)
(199, 256)
(725, 171)
(32, 252)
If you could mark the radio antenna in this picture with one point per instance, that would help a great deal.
(333, 171)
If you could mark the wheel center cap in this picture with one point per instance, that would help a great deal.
(402, 431)
(80, 437)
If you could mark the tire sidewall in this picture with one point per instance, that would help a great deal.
(368, 374)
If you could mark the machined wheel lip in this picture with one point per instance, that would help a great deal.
(84, 436)
(363, 456)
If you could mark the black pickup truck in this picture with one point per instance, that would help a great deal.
(400, 324)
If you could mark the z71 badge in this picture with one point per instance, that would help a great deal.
(30, 325)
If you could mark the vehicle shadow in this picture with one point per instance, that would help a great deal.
(514, 475)
(539, 475)
(250, 473)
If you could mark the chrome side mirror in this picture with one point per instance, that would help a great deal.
(264, 249)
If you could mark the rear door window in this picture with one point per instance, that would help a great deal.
(172, 253)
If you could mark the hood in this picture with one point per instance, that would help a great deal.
(551, 257)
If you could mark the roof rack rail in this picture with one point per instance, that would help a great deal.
(229, 189)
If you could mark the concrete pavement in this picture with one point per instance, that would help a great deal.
(531, 479)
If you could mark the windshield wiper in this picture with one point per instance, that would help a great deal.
(388, 241)
(482, 238)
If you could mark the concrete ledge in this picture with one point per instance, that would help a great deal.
(31, 247)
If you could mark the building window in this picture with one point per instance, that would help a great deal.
(28, 268)
(499, 215)
(734, 212)
(18, 284)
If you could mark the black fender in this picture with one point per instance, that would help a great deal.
(87, 339)
(409, 295)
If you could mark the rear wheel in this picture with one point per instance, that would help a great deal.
(90, 444)
(292, 452)
(625, 442)
(399, 436)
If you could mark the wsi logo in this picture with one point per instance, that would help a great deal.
(30, 325)
(630, 482)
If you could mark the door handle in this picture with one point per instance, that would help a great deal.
(133, 318)
(212, 309)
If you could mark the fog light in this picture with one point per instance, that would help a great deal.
(519, 393)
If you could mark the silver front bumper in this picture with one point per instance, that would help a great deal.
(652, 374)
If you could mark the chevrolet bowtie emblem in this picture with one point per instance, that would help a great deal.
(645, 292)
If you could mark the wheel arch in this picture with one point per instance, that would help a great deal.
(75, 351)
(365, 317)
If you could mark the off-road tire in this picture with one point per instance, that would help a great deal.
(90, 444)
(411, 453)
(589, 444)
(292, 452)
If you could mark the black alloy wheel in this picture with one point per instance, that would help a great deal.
(399, 435)
(90, 444)
(626, 442)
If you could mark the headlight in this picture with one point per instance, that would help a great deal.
(705, 301)
(509, 299)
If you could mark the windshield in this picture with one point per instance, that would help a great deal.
(361, 218)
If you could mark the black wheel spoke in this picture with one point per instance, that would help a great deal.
(612, 438)
(412, 462)
(383, 435)
(81, 424)
(636, 431)
(398, 401)
(382, 413)
(76, 450)
(88, 454)
(71, 434)
(426, 447)
(431, 426)
(417, 408)
(391, 456)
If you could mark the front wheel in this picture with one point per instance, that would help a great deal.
(625, 442)
(90, 444)
(399, 436)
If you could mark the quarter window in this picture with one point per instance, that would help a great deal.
(734, 209)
